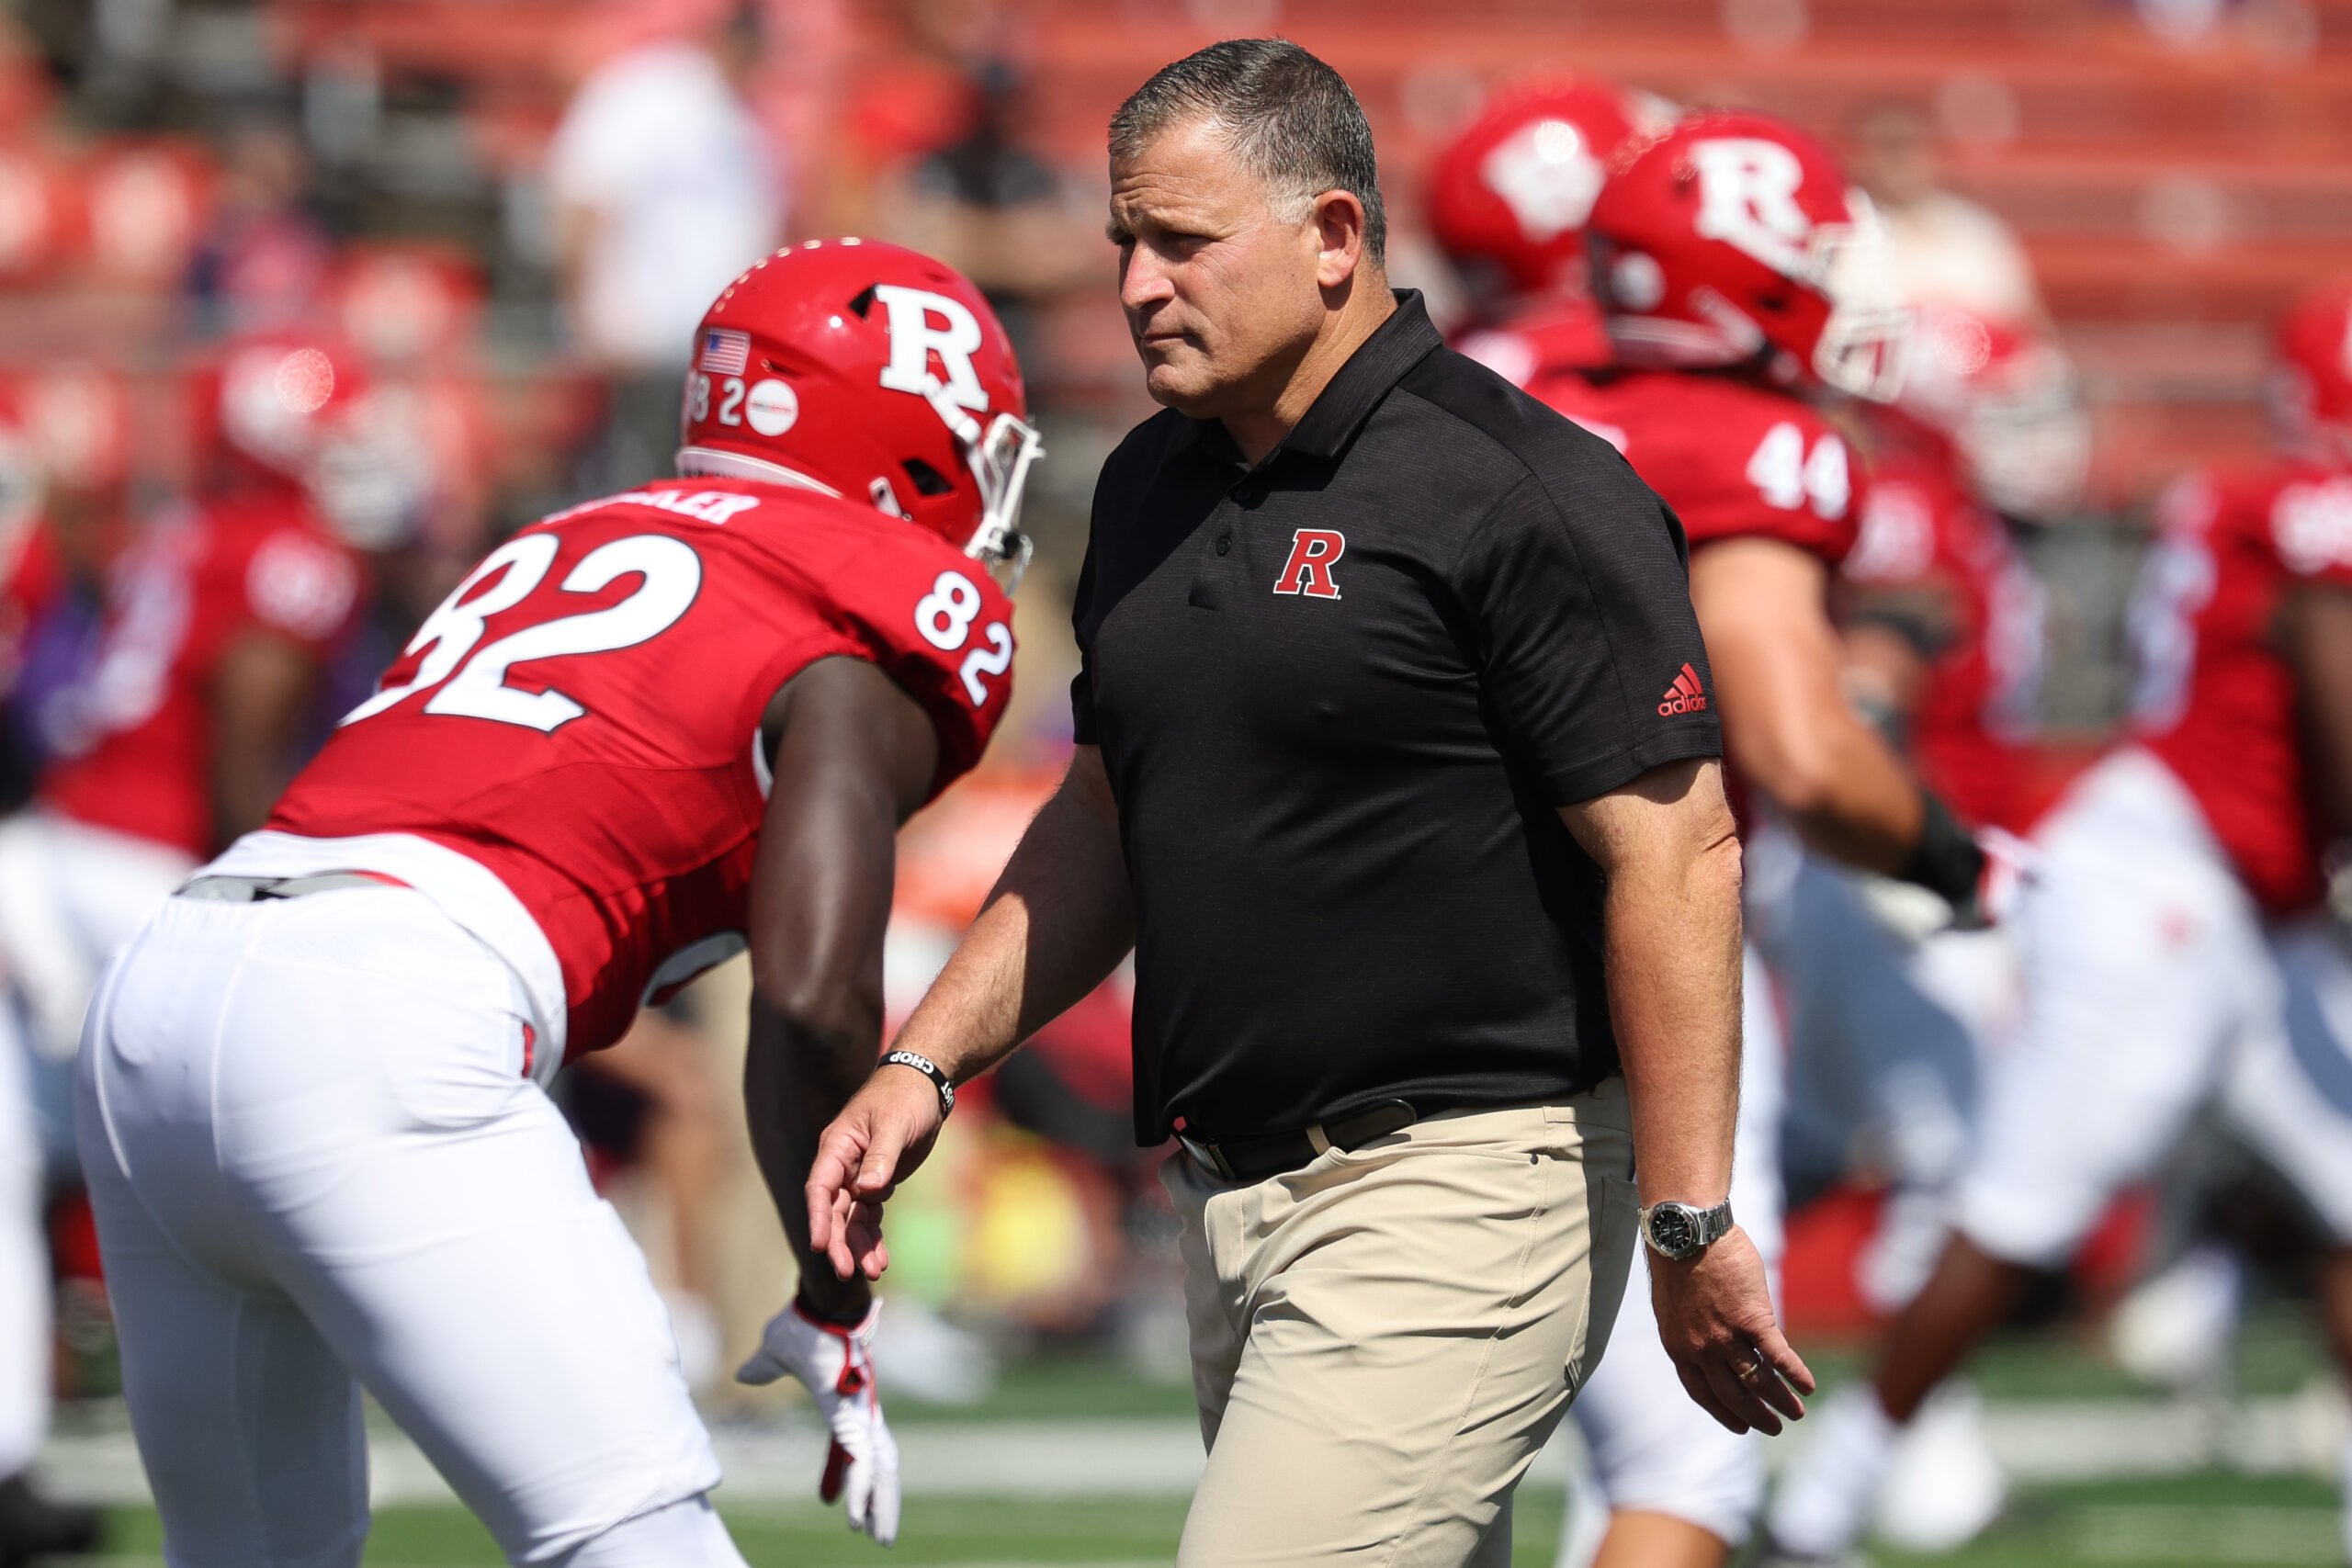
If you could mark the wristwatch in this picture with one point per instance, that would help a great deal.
(1679, 1233)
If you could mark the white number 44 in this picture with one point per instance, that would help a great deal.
(1787, 476)
(944, 617)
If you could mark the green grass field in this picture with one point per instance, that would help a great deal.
(2209, 1520)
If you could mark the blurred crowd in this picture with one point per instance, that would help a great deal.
(279, 360)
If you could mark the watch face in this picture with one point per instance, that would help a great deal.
(1671, 1229)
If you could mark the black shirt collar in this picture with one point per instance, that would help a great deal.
(1398, 344)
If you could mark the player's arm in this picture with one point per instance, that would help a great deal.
(1891, 636)
(1787, 724)
(854, 757)
(2319, 629)
(260, 691)
(1669, 851)
(1058, 921)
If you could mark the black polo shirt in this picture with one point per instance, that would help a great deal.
(1340, 696)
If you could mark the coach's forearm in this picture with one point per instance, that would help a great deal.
(1674, 979)
(1058, 922)
(1671, 851)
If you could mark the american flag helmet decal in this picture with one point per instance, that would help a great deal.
(725, 352)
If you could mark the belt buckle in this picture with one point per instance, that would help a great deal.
(1209, 1155)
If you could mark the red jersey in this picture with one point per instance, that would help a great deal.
(1735, 460)
(1562, 335)
(133, 739)
(1971, 732)
(2212, 695)
(582, 716)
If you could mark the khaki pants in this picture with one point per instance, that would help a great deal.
(1384, 1340)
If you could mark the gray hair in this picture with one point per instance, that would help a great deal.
(1290, 119)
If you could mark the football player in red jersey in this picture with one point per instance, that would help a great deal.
(2175, 952)
(1732, 263)
(640, 735)
(31, 589)
(1891, 1013)
(219, 614)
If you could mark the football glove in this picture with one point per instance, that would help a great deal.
(836, 1365)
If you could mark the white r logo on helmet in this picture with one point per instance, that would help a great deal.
(914, 338)
(1547, 176)
(1748, 199)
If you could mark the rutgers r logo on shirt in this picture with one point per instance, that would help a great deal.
(1686, 695)
(1313, 553)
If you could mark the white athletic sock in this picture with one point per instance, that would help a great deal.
(1825, 1496)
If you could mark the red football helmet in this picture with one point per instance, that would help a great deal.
(77, 416)
(2008, 398)
(2313, 379)
(1733, 236)
(865, 370)
(1510, 196)
(286, 409)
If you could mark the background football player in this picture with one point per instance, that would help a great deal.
(1731, 272)
(1890, 1009)
(2175, 951)
(640, 734)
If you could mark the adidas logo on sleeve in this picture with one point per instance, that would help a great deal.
(1686, 695)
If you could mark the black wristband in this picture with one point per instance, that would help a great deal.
(929, 1069)
(1946, 860)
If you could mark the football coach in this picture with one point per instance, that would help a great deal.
(1396, 770)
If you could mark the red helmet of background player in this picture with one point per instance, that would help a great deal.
(1510, 196)
(291, 409)
(2006, 397)
(2314, 375)
(1734, 238)
(868, 371)
(77, 415)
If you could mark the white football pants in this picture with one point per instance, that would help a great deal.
(69, 896)
(316, 1163)
(1652, 1448)
(2153, 990)
(1888, 1029)
(24, 1263)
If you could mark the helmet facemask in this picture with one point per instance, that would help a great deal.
(998, 458)
(1865, 345)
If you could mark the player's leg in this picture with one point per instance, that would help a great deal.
(2289, 1096)
(1682, 1492)
(24, 1265)
(249, 1427)
(1889, 1033)
(378, 1158)
(2136, 944)
(1417, 1313)
(427, 1208)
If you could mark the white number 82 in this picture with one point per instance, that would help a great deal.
(943, 616)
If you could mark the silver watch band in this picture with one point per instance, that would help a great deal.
(1679, 1232)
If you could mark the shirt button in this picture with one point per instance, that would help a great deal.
(1224, 546)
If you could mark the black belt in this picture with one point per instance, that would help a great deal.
(1254, 1159)
(252, 889)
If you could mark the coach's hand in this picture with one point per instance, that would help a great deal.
(836, 1364)
(881, 1135)
(1715, 1316)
